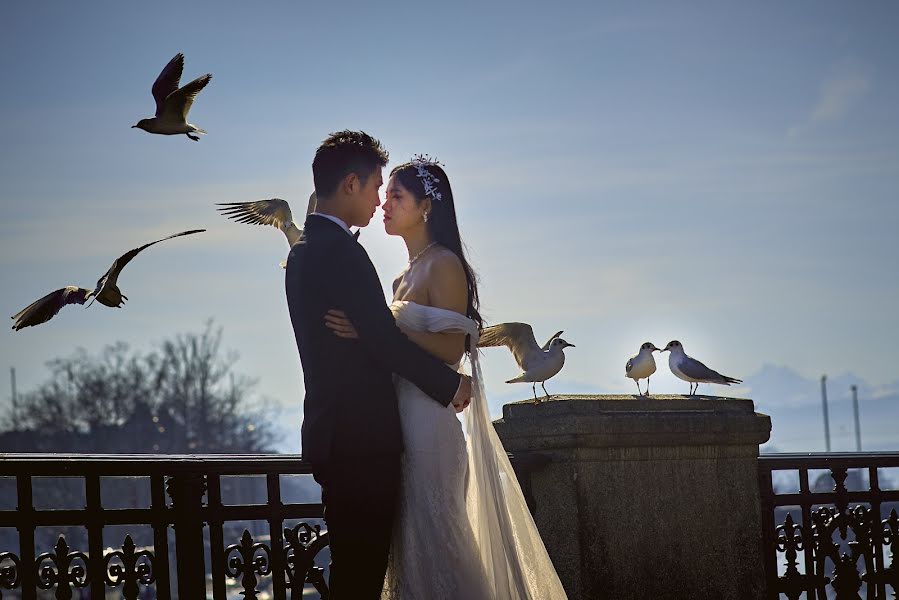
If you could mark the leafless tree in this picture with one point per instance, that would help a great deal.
(182, 397)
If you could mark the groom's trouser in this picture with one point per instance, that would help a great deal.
(360, 497)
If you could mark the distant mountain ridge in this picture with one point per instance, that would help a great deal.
(794, 404)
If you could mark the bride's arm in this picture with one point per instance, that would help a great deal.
(447, 289)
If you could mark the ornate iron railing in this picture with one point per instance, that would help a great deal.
(185, 503)
(836, 540)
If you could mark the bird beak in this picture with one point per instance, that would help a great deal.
(133, 126)
(570, 346)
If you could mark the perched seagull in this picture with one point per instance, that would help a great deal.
(106, 292)
(538, 364)
(691, 370)
(173, 103)
(274, 212)
(642, 365)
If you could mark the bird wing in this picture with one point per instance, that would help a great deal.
(629, 365)
(313, 203)
(41, 311)
(518, 337)
(178, 103)
(274, 212)
(168, 81)
(112, 275)
(550, 340)
(695, 369)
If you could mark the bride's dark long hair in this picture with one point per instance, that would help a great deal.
(442, 224)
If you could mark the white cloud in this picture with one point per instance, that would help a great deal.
(848, 82)
(839, 94)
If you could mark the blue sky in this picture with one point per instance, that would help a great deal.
(721, 173)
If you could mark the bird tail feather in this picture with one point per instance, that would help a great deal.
(730, 380)
(519, 379)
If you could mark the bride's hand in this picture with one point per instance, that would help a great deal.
(337, 321)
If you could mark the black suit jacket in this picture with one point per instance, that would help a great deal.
(350, 407)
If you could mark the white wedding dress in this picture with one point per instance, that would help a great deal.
(463, 529)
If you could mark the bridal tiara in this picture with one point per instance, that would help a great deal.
(421, 162)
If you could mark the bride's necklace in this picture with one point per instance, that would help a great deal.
(423, 250)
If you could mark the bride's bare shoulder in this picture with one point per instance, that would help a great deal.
(446, 283)
(444, 263)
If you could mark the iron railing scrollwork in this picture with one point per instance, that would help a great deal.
(177, 507)
(62, 569)
(847, 541)
(303, 545)
(246, 560)
(10, 571)
(136, 568)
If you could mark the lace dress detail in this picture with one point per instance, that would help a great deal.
(463, 529)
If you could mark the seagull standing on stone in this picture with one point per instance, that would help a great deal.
(173, 103)
(641, 366)
(274, 212)
(537, 363)
(106, 292)
(691, 370)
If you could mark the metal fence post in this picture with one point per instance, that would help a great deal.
(186, 491)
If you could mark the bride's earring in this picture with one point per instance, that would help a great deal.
(425, 217)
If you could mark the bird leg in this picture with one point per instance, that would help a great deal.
(193, 137)
(647, 387)
(639, 391)
(543, 385)
(534, 389)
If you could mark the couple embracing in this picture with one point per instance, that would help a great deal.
(415, 507)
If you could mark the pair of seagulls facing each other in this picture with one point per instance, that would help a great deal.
(106, 292)
(173, 102)
(274, 212)
(642, 365)
(538, 363)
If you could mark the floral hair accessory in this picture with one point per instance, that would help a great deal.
(421, 162)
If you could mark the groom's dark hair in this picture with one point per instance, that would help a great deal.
(343, 153)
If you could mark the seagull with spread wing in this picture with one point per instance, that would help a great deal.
(537, 363)
(173, 103)
(274, 212)
(691, 370)
(107, 291)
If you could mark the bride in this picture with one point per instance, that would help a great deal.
(463, 529)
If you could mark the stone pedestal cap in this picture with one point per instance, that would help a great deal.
(593, 421)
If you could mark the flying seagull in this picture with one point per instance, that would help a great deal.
(641, 366)
(173, 103)
(691, 370)
(274, 212)
(537, 363)
(106, 292)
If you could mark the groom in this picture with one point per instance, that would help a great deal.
(351, 426)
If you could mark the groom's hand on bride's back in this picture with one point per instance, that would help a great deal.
(463, 395)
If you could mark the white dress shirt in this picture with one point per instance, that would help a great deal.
(337, 220)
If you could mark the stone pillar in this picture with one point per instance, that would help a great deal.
(646, 497)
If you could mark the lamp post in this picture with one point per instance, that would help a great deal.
(824, 405)
(15, 399)
(858, 427)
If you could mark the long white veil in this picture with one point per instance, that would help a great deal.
(514, 556)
